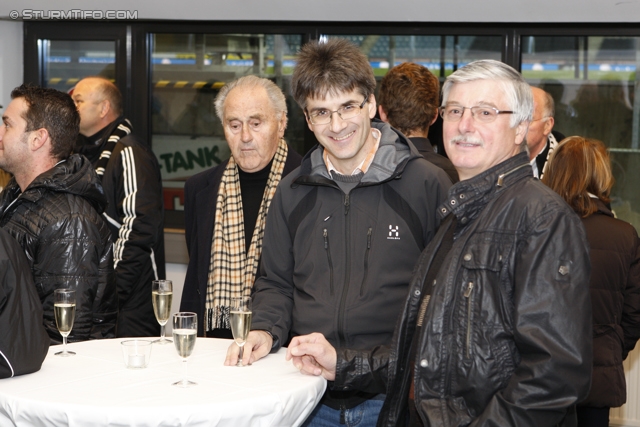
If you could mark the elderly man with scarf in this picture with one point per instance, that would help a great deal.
(226, 206)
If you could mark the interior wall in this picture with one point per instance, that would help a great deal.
(352, 10)
(10, 59)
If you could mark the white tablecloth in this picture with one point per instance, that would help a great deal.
(94, 388)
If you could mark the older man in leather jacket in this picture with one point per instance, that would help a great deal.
(495, 328)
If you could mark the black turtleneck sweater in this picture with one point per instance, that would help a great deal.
(252, 187)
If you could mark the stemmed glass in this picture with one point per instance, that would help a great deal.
(240, 320)
(162, 296)
(64, 309)
(185, 328)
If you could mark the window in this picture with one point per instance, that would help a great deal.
(440, 54)
(68, 61)
(187, 71)
(170, 72)
(592, 80)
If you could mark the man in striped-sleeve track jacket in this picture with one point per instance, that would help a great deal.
(132, 183)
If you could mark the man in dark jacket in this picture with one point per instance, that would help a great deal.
(496, 325)
(409, 97)
(53, 207)
(130, 176)
(346, 228)
(541, 139)
(226, 206)
(23, 340)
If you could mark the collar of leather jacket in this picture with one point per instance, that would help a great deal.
(467, 198)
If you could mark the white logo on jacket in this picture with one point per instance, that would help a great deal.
(394, 234)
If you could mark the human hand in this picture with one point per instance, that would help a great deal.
(313, 355)
(258, 345)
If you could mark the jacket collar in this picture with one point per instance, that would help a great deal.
(423, 145)
(394, 152)
(603, 209)
(467, 198)
(74, 175)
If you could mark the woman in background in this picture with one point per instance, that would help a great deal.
(580, 171)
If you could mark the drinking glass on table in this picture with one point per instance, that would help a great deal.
(240, 320)
(162, 296)
(185, 328)
(64, 309)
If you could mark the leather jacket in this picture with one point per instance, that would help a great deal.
(506, 337)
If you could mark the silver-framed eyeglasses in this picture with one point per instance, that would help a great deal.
(482, 114)
(346, 112)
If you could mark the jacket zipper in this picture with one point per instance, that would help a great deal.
(347, 275)
(325, 234)
(366, 261)
(467, 295)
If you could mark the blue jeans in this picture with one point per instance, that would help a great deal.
(363, 415)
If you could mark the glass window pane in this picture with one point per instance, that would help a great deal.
(187, 72)
(68, 61)
(593, 81)
(440, 54)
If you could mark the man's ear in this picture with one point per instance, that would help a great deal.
(282, 125)
(372, 106)
(382, 114)
(105, 108)
(521, 132)
(38, 139)
(548, 125)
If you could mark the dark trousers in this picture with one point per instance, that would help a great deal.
(589, 416)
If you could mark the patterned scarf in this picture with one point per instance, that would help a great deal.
(122, 130)
(231, 270)
(552, 146)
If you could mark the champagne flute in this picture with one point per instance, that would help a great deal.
(162, 296)
(240, 320)
(185, 328)
(64, 309)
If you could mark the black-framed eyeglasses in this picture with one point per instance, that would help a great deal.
(346, 112)
(453, 113)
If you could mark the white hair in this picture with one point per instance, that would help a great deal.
(274, 93)
(516, 89)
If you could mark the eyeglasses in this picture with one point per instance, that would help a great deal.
(346, 112)
(453, 113)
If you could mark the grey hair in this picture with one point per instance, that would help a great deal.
(516, 89)
(277, 98)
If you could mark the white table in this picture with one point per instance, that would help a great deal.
(94, 388)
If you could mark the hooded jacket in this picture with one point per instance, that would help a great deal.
(57, 221)
(506, 336)
(340, 263)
